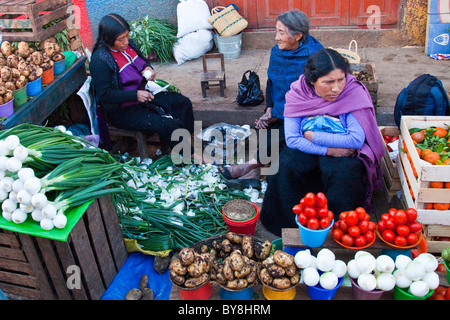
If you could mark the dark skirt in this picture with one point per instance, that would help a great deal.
(339, 178)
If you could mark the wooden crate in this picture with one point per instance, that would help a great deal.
(23, 20)
(390, 173)
(433, 235)
(426, 173)
(372, 84)
(80, 268)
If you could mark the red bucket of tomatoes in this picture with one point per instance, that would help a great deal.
(313, 218)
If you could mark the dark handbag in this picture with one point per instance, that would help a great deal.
(249, 90)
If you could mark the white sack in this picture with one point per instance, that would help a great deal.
(193, 45)
(192, 15)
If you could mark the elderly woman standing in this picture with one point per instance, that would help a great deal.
(333, 143)
(287, 59)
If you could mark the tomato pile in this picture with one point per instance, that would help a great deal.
(399, 227)
(388, 139)
(312, 211)
(353, 229)
(440, 293)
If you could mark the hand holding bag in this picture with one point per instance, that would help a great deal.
(249, 90)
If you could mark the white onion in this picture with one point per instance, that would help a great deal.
(19, 216)
(415, 270)
(60, 221)
(36, 214)
(325, 262)
(13, 164)
(352, 269)
(39, 200)
(25, 173)
(428, 260)
(419, 288)
(431, 279)
(3, 195)
(49, 211)
(2, 174)
(326, 252)
(3, 160)
(46, 224)
(340, 268)
(13, 196)
(61, 128)
(12, 142)
(7, 215)
(303, 259)
(328, 280)
(310, 276)
(4, 150)
(9, 205)
(32, 185)
(23, 196)
(401, 280)
(401, 261)
(385, 263)
(20, 153)
(6, 184)
(26, 207)
(385, 281)
(367, 281)
(17, 185)
(366, 263)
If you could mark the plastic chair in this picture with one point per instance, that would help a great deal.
(213, 78)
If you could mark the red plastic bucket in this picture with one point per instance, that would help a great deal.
(245, 226)
(202, 293)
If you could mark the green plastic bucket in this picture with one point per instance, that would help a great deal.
(448, 271)
(402, 294)
(20, 97)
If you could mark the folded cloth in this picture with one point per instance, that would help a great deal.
(323, 123)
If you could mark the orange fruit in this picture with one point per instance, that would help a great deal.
(446, 161)
(440, 132)
(418, 136)
(432, 157)
(441, 206)
(429, 206)
(437, 184)
(447, 185)
(419, 151)
(425, 152)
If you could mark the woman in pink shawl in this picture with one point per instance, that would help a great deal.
(333, 143)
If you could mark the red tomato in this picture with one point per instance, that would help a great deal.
(363, 225)
(412, 238)
(310, 212)
(367, 217)
(372, 226)
(321, 200)
(381, 226)
(439, 290)
(330, 215)
(342, 215)
(400, 217)
(360, 241)
(387, 137)
(324, 223)
(411, 214)
(354, 231)
(385, 217)
(347, 240)
(441, 268)
(351, 218)
(297, 209)
(394, 138)
(439, 297)
(414, 227)
(447, 294)
(388, 235)
(302, 219)
(370, 236)
(392, 212)
(402, 230)
(310, 199)
(343, 225)
(337, 234)
(313, 223)
(361, 213)
(322, 212)
(400, 241)
(390, 224)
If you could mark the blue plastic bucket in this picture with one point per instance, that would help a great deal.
(313, 238)
(34, 87)
(319, 293)
(59, 67)
(7, 109)
(245, 294)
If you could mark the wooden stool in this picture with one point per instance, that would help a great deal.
(213, 78)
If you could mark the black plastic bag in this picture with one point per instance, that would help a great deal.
(249, 90)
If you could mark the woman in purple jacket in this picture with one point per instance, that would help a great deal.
(333, 143)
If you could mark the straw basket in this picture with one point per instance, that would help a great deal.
(350, 54)
(227, 21)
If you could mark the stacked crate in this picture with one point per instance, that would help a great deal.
(391, 178)
(416, 176)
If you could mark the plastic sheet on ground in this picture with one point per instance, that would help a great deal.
(129, 277)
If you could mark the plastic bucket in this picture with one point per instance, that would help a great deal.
(245, 226)
(20, 97)
(402, 294)
(359, 293)
(313, 238)
(202, 293)
(7, 109)
(448, 271)
(229, 46)
(245, 294)
(48, 76)
(59, 67)
(270, 294)
(319, 293)
(34, 87)
(393, 253)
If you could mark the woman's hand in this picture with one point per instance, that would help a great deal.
(309, 135)
(152, 76)
(340, 152)
(144, 96)
(264, 121)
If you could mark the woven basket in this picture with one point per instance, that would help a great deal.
(350, 54)
(227, 21)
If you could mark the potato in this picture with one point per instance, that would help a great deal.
(6, 48)
(195, 282)
(23, 49)
(283, 259)
(226, 246)
(15, 73)
(220, 278)
(267, 262)
(236, 261)
(244, 272)
(24, 69)
(133, 294)
(39, 72)
(276, 271)
(12, 61)
(143, 283)
(177, 267)
(281, 283)
(265, 277)
(175, 278)
(147, 294)
(32, 76)
(58, 57)
(233, 237)
(237, 284)
(247, 246)
(295, 279)
(2, 62)
(291, 270)
(2, 90)
(37, 58)
(262, 251)
(6, 74)
(198, 267)
(1, 100)
(21, 82)
(7, 96)
(251, 277)
(49, 48)
(186, 256)
(227, 271)
(10, 86)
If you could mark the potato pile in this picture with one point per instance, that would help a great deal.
(190, 269)
(279, 271)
